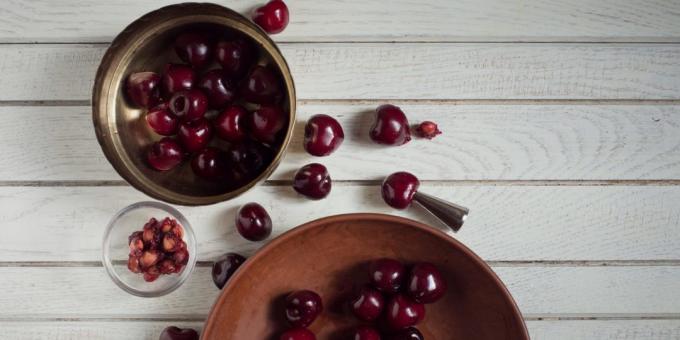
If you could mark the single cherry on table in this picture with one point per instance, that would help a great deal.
(298, 333)
(428, 129)
(165, 154)
(390, 126)
(195, 134)
(225, 267)
(313, 181)
(323, 135)
(194, 48)
(253, 222)
(143, 89)
(398, 189)
(387, 275)
(176, 333)
(272, 17)
(302, 308)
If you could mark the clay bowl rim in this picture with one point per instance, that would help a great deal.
(207, 327)
(119, 55)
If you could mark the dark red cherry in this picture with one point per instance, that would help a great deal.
(248, 160)
(225, 267)
(298, 333)
(387, 275)
(365, 333)
(367, 303)
(235, 56)
(323, 135)
(313, 181)
(210, 163)
(266, 122)
(165, 154)
(143, 89)
(189, 104)
(398, 189)
(390, 126)
(175, 333)
(193, 48)
(220, 89)
(428, 129)
(195, 134)
(162, 121)
(253, 222)
(230, 124)
(177, 77)
(401, 312)
(261, 86)
(426, 284)
(303, 307)
(272, 17)
(410, 333)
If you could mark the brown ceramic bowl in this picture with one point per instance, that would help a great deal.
(330, 254)
(146, 45)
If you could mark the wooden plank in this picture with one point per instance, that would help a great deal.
(79, 292)
(610, 329)
(399, 71)
(149, 330)
(355, 20)
(480, 142)
(507, 223)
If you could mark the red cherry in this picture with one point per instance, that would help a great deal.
(398, 189)
(303, 307)
(253, 222)
(189, 104)
(272, 17)
(225, 267)
(367, 303)
(426, 284)
(323, 135)
(266, 123)
(195, 134)
(230, 124)
(219, 88)
(410, 333)
(261, 86)
(143, 88)
(162, 121)
(313, 181)
(428, 129)
(193, 48)
(402, 312)
(174, 333)
(210, 163)
(235, 56)
(390, 126)
(297, 334)
(165, 154)
(365, 333)
(177, 77)
(387, 275)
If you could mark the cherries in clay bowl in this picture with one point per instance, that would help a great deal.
(171, 74)
(168, 273)
(331, 255)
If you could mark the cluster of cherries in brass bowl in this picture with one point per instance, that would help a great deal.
(226, 120)
(389, 306)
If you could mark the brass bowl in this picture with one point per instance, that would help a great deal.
(121, 129)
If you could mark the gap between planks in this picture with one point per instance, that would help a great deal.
(280, 183)
(378, 101)
(537, 263)
(392, 40)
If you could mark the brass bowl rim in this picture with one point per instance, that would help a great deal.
(124, 44)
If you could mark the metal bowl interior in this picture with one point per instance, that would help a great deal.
(146, 45)
(330, 255)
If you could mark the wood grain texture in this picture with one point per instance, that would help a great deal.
(355, 20)
(81, 292)
(149, 330)
(480, 142)
(507, 223)
(398, 71)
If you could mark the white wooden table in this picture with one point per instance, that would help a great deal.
(561, 125)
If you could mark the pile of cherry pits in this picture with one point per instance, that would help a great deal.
(389, 306)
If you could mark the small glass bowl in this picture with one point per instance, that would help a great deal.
(116, 249)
